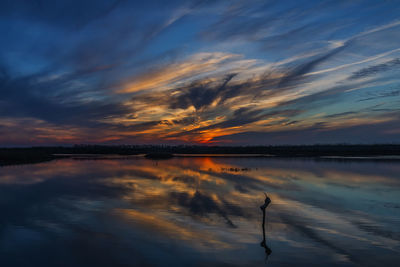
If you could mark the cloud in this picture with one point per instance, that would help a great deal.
(199, 95)
(376, 69)
(201, 63)
(300, 71)
(195, 72)
(320, 133)
(377, 95)
(27, 98)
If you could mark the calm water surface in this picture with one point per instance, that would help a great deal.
(200, 212)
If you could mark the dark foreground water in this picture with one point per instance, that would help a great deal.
(200, 212)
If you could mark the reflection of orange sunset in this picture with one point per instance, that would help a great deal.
(211, 204)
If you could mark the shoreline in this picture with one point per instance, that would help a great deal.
(4, 163)
(17, 156)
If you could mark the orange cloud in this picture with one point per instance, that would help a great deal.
(197, 64)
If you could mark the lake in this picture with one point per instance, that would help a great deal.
(200, 211)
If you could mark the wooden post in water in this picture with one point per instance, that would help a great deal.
(263, 243)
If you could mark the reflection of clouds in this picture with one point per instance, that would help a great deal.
(337, 231)
(323, 206)
(172, 228)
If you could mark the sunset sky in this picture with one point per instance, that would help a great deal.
(199, 72)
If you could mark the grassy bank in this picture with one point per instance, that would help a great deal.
(13, 156)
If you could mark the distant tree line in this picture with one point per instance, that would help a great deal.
(38, 154)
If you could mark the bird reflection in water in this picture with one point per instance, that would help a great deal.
(263, 243)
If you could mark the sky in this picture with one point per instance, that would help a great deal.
(199, 72)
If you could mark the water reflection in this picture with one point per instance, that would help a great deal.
(199, 212)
